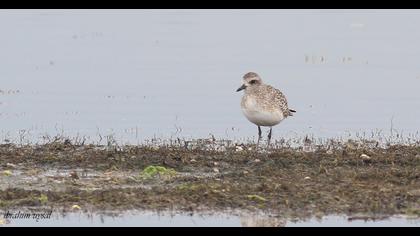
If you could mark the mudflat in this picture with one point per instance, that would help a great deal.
(350, 178)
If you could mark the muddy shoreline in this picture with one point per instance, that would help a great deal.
(349, 178)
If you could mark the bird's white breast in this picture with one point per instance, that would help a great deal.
(260, 116)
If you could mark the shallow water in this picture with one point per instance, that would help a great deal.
(140, 74)
(150, 219)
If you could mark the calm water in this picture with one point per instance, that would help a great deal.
(149, 219)
(139, 74)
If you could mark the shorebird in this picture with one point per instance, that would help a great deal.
(263, 104)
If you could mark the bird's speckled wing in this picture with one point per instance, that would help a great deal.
(279, 99)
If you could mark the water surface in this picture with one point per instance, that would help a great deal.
(140, 74)
(151, 219)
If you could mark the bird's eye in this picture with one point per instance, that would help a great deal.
(253, 81)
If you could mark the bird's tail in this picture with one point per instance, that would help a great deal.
(291, 111)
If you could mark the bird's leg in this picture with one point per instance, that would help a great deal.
(269, 136)
(259, 135)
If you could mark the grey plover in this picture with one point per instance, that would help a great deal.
(262, 104)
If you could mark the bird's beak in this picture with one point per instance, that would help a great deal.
(241, 88)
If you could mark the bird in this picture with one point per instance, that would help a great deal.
(263, 104)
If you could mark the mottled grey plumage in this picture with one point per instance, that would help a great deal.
(262, 104)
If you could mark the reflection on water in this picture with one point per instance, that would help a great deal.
(140, 74)
(261, 221)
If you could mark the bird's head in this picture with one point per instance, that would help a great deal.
(250, 79)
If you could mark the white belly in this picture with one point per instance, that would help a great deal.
(263, 118)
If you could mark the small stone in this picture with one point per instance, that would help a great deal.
(74, 175)
(76, 207)
(257, 160)
(216, 163)
(11, 165)
(384, 190)
(307, 178)
(415, 192)
(239, 148)
(364, 156)
(245, 172)
(329, 152)
(216, 170)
